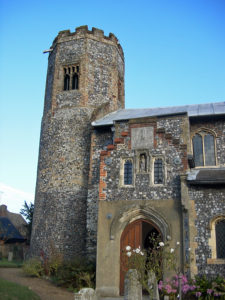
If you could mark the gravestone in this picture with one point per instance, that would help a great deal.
(132, 287)
(153, 285)
(10, 256)
(86, 294)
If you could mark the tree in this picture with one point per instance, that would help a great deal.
(27, 211)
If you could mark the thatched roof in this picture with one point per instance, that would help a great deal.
(8, 231)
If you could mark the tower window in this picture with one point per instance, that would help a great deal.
(128, 172)
(220, 239)
(75, 82)
(158, 171)
(204, 149)
(66, 82)
(71, 78)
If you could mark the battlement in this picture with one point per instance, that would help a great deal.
(83, 31)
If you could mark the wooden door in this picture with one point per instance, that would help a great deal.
(132, 236)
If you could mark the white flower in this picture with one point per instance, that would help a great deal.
(138, 250)
(161, 244)
(141, 253)
(128, 248)
(178, 243)
(171, 250)
(129, 254)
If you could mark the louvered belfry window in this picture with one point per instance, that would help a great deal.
(158, 171)
(71, 78)
(220, 239)
(66, 82)
(128, 172)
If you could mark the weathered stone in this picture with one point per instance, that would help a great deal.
(142, 138)
(10, 256)
(86, 294)
(153, 285)
(132, 286)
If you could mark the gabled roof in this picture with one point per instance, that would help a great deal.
(195, 110)
(8, 231)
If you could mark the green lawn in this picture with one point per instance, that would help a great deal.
(4, 263)
(14, 291)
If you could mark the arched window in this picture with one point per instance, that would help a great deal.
(128, 172)
(66, 82)
(158, 171)
(71, 77)
(217, 240)
(204, 149)
(220, 239)
(75, 81)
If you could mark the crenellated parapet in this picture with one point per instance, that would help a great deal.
(84, 32)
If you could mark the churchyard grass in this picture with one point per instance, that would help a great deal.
(4, 263)
(10, 290)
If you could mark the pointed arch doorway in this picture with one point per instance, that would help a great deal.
(135, 234)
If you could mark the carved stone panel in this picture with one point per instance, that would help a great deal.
(142, 138)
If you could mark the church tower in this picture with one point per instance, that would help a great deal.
(85, 81)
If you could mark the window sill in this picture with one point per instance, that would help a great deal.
(127, 186)
(215, 261)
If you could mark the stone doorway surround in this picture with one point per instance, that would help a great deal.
(112, 221)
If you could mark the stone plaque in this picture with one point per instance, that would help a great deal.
(142, 138)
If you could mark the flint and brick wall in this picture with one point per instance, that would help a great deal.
(209, 201)
(60, 215)
(105, 172)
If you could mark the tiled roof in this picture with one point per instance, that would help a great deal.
(192, 111)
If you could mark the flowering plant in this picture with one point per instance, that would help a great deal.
(153, 260)
(200, 288)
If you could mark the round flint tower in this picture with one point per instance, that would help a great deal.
(85, 81)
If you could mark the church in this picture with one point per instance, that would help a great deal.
(109, 177)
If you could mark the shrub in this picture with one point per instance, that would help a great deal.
(75, 274)
(33, 267)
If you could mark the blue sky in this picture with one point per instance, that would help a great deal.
(174, 53)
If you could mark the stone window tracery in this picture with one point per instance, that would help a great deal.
(71, 78)
(203, 143)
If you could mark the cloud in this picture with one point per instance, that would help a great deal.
(14, 198)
